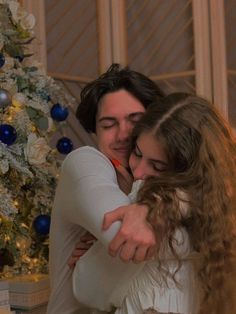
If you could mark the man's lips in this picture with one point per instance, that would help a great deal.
(122, 149)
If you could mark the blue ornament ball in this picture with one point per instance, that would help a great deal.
(8, 134)
(64, 145)
(59, 113)
(2, 60)
(5, 98)
(42, 224)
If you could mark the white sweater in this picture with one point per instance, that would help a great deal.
(87, 189)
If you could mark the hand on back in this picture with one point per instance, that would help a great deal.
(84, 244)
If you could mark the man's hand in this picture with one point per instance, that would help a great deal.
(84, 244)
(136, 239)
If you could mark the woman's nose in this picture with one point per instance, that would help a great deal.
(140, 171)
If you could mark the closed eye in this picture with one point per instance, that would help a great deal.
(135, 117)
(158, 167)
(137, 152)
(107, 123)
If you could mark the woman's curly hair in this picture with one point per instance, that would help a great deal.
(201, 155)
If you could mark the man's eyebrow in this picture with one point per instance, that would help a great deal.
(134, 114)
(106, 119)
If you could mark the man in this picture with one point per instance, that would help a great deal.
(130, 88)
(110, 106)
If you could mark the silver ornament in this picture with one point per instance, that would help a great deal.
(5, 98)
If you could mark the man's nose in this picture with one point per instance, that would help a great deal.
(124, 132)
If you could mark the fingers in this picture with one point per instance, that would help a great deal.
(127, 252)
(116, 244)
(136, 248)
(76, 256)
(140, 255)
(88, 237)
(111, 217)
(80, 250)
(71, 262)
(81, 246)
(151, 252)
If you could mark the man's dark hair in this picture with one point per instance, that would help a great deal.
(114, 79)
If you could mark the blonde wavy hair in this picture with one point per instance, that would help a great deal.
(201, 155)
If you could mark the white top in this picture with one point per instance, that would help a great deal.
(86, 190)
(99, 282)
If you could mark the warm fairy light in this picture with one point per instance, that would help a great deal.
(33, 128)
(7, 238)
(16, 104)
(24, 225)
(9, 119)
(16, 203)
(18, 244)
(26, 258)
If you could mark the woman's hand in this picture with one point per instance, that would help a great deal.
(136, 239)
(84, 244)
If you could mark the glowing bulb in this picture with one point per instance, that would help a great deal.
(16, 103)
(24, 225)
(7, 238)
(9, 119)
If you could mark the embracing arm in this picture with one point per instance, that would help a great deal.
(89, 186)
(87, 190)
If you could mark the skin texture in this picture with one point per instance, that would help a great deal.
(117, 114)
(148, 157)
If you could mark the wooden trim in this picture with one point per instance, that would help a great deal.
(71, 78)
(172, 75)
(37, 8)
(119, 32)
(232, 72)
(202, 48)
(104, 34)
(219, 66)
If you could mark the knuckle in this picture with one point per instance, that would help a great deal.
(124, 259)
(124, 233)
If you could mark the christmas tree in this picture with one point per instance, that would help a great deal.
(32, 108)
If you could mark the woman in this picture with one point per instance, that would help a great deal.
(186, 154)
(201, 156)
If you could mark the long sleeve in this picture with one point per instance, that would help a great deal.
(88, 189)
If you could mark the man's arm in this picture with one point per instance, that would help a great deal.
(90, 184)
(87, 190)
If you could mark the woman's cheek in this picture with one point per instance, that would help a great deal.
(132, 162)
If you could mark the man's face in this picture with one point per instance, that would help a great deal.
(117, 114)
